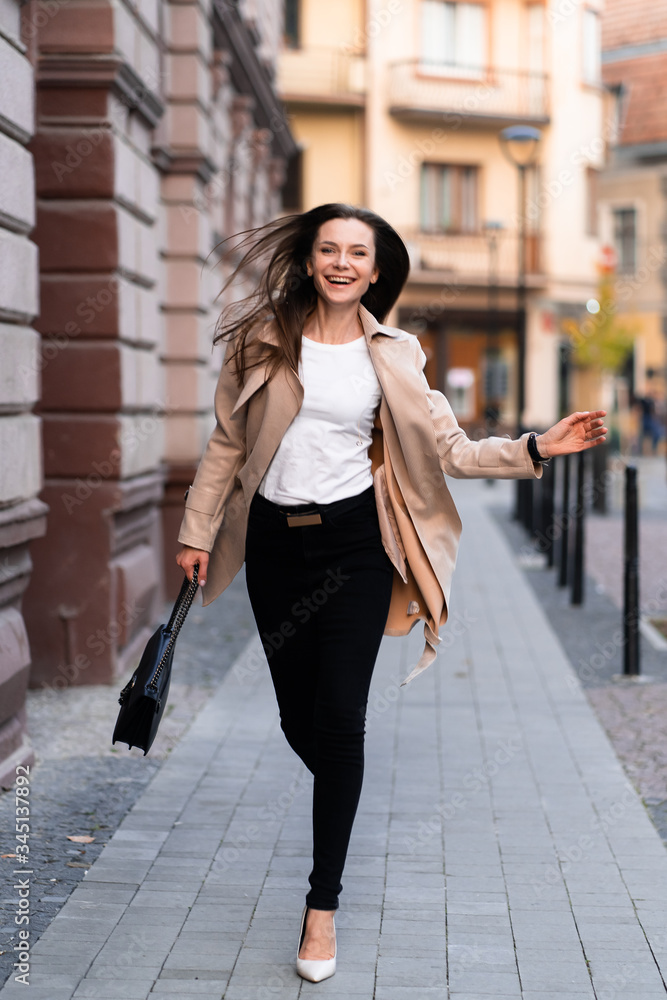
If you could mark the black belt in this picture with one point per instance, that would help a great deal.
(302, 515)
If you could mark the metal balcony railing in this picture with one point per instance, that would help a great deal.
(474, 258)
(483, 95)
(322, 74)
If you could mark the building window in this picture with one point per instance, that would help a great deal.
(592, 188)
(535, 13)
(292, 193)
(291, 33)
(448, 198)
(453, 37)
(625, 238)
(619, 95)
(496, 377)
(592, 59)
(460, 392)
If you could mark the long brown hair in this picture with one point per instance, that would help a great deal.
(287, 294)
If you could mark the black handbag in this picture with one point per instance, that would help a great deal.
(143, 699)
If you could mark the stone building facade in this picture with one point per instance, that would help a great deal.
(154, 133)
(22, 513)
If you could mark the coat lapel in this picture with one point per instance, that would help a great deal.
(410, 424)
(268, 416)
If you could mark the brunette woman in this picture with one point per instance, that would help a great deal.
(324, 473)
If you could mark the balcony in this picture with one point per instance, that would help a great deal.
(473, 258)
(482, 97)
(321, 76)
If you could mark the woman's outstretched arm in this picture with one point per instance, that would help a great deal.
(501, 457)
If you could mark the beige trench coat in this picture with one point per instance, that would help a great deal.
(416, 440)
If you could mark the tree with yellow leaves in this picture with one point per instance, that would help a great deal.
(600, 340)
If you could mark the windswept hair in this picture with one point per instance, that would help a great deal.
(287, 294)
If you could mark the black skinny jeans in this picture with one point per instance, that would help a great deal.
(320, 596)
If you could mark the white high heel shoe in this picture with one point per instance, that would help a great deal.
(314, 970)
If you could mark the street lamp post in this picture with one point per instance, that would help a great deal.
(491, 408)
(520, 144)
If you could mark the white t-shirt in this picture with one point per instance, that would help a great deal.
(323, 455)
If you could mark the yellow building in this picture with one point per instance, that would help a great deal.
(398, 105)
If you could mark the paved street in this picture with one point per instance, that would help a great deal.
(499, 849)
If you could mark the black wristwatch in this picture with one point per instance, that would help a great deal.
(532, 449)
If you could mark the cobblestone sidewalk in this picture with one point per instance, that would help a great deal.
(83, 786)
(499, 850)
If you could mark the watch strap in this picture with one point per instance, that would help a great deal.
(532, 449)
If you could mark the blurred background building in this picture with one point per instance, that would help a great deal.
(135, 138)
(633, 194)
(400, 105)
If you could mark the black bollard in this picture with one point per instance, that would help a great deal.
(518, 502)
(599, 456)
(579, 516)
(547, 527)
(529, 501)
(631, 663)
(565, 524)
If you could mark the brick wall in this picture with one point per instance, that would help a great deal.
(633, 22)
(644, 82)
(644, 75)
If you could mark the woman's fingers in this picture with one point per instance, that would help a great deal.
(187, 558)
(203, 567)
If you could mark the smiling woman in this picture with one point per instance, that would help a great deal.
(325, 474)
(341, 260)
(291, 292)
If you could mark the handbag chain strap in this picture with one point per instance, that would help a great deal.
(179, 611)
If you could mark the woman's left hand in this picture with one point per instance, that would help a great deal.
(577, 432)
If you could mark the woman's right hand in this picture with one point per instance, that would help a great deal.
(187, 558)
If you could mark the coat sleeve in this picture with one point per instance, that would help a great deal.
(461, 458)
(219, 465)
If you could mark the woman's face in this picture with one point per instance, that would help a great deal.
(342, 263)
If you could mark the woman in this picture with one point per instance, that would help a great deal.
(325, 474)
